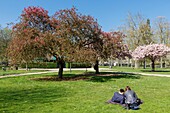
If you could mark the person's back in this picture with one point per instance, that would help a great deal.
(130, 96)
(118, 98)
(131, 99)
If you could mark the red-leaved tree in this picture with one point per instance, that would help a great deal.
(67, 35)
(83, 33)
(113, 46)
(28, 35)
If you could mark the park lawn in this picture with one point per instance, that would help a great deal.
(140, 70)
(24, 95)
(9, 72)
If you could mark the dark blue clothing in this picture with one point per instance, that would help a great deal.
(118, 98)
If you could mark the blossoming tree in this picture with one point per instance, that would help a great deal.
(152, 51)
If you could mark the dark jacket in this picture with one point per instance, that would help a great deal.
(118, 98)
(130, 97)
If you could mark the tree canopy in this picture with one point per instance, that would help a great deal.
(66, 35)
(152, 51)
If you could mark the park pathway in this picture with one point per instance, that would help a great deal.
(46, 71)
(88, 69)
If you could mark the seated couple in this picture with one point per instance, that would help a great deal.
(127, 98)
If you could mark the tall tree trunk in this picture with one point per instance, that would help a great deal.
(153, 65)
(96, 66)
(61, 66)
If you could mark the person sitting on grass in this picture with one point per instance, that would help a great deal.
(131, 99)
(118, 98)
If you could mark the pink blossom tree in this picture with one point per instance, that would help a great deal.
(152, 51)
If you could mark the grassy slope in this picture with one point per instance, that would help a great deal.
(22, 95)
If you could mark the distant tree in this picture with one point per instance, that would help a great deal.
(145, 33)
(152, 51)
(162, 33)
(138, 32)
(5, 37)
(162, 30)
(113, 46)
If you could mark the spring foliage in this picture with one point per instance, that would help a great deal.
(152, 51)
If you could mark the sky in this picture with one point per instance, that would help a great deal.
(110, 14)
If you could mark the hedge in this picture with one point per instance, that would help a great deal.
(78, 65)
(40, 65)
(55, 65)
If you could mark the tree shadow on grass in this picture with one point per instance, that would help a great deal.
(17, 97)
(102, 77)
(155, 71)
(107, 76)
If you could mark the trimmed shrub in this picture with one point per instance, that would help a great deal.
(40, 65)
(55, 65)
(78, 65)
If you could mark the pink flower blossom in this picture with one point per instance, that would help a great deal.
(152, 51)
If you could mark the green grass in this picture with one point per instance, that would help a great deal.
(23, 95)
(8, 72)
(141, 70)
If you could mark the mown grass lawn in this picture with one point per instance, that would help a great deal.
(24, 95)
(140, 70)
(8, 72)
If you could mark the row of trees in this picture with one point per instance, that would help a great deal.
(152, 51)
(70, 36)
(140, 32)
(67, 35)
(5, 37)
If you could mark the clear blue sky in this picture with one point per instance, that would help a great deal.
(109, 13)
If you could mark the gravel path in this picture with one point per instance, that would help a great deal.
(88, 69)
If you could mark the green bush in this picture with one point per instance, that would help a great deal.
(78, 65)
(40, 65)
(55, 65)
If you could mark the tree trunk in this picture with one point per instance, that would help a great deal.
(61, 66)
(128, 62)
(136, 64)
(96, 67)
(26, 66)
(144, 63)
(161, 63)
(153, 65)
(70, 66)
(121, 62)
(110, 63)
(165, 64)
(132, 63)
